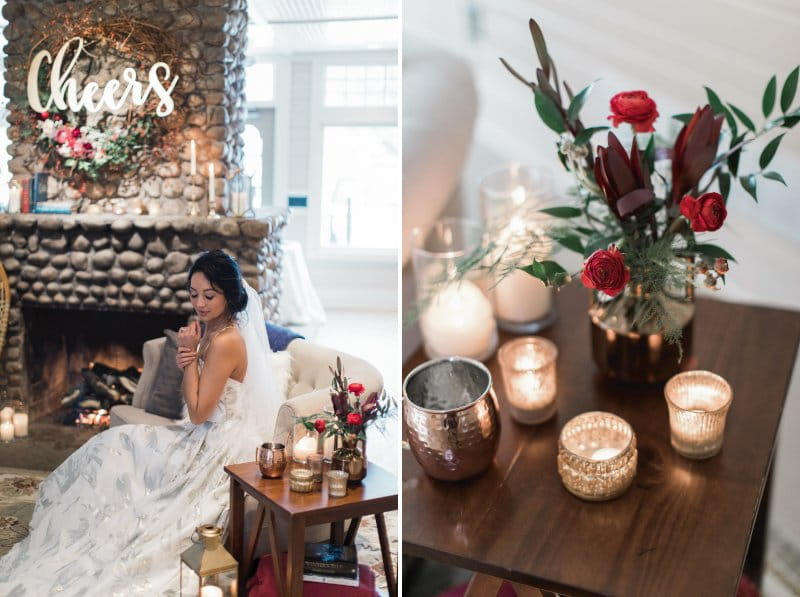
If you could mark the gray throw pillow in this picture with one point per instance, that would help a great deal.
(166, 398)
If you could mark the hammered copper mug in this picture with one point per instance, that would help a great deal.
(271, 459)
(450, 417)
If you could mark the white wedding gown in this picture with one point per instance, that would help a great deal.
(115, 516)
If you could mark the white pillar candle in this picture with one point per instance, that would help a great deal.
(6, 414)
(459, 322)
(193, 157)
(21, 425)
(6, 431)
(519, 297)
(212, 191)
(305, 446)
(210, 591)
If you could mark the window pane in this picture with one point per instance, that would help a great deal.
(361, 85)
(360, 186)
(260, 82)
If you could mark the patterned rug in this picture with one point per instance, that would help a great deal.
(369, 547)
(18, 489)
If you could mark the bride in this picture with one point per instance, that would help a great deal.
(115, 516)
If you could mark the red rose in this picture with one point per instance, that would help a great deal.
(636, 108)
(76, 132)
(355, 388)
(319, 425)
(606, 271)
(706, 213)
(354, 419)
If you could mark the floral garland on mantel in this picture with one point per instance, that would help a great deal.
(78, 148)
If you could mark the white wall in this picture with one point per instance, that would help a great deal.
(669, 48)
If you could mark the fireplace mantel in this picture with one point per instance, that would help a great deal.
(123, 263)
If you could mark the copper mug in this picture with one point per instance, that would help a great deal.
(271, 459)
(450, 417)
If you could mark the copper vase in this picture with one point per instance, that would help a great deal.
(271, 459)
(350, 458)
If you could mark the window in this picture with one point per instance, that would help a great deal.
(259, 84)
(253, 155)
(361, 85)
(360, 186)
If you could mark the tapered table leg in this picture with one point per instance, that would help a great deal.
(235, 536)
(387, 555)
(294, 563)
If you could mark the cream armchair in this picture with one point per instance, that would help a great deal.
(307, 389)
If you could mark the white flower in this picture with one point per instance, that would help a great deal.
(48, 129)
(65, 151)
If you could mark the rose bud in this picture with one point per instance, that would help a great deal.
(605, 270)
(706, 213)
(319, 425)
(356, 388)
(721, 266)
(76, 132)
(636, 108)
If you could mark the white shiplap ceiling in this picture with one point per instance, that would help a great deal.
(323, 25)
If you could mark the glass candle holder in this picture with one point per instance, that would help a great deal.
(698, 403)
(301, 480)
(529, 378)
(511, 200)
(456, 317)
(597, 456)
(315, 465)
(337, 483)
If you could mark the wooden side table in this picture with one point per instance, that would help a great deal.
(376, 494)
(683, 528)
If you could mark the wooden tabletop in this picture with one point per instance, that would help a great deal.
(376, 493)
(683, 527)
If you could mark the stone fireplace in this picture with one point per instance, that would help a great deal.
(104, 265)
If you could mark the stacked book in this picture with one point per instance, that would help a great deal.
(332, 564)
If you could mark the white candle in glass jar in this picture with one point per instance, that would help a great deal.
(210, 591)
(21, 424)
(6, 414)
(304, 447)
(519, 297)
(459, 322)
(6, 431)
(605, 453)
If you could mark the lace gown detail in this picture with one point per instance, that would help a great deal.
(115, 516)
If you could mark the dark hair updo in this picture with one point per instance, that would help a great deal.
(224, 274)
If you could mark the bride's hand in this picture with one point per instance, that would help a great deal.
(185, 356)
(189, 336)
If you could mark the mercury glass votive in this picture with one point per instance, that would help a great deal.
(337, 483)
(698, 403)
(301, 480)
(529, 378)
(597, 456)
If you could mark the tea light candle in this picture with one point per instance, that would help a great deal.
(597, 456)
(304, 447)
(6, 414)
(529, 378)
(20, 424)
(459, 321)
(6, 431)
(698, 403)
(337, 483)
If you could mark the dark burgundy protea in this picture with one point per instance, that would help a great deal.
(695, 150)
(340, 403)
(369, 408)
(625, 181)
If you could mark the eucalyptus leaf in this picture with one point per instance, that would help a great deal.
(650, 153)
(708, 250)
(769, 151)
(570, 95)
(564, 162)
(733, 159)
(548, 112)
(789, 89)
(586, 134)
(540, 45)
(724, 185)
(790, 121)
(570, 241)
(749, 184)
(549, 272)
(684, 118)
(510, 69)
(714, 101)
(562, 212)
(768, 101)
(577, 103)
(775, 176)
(743, 118)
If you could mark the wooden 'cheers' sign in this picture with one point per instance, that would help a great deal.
(64, 92)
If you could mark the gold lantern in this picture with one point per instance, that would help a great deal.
(207, 569)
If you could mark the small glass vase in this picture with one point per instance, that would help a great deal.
(350, 458)
(634, 353)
